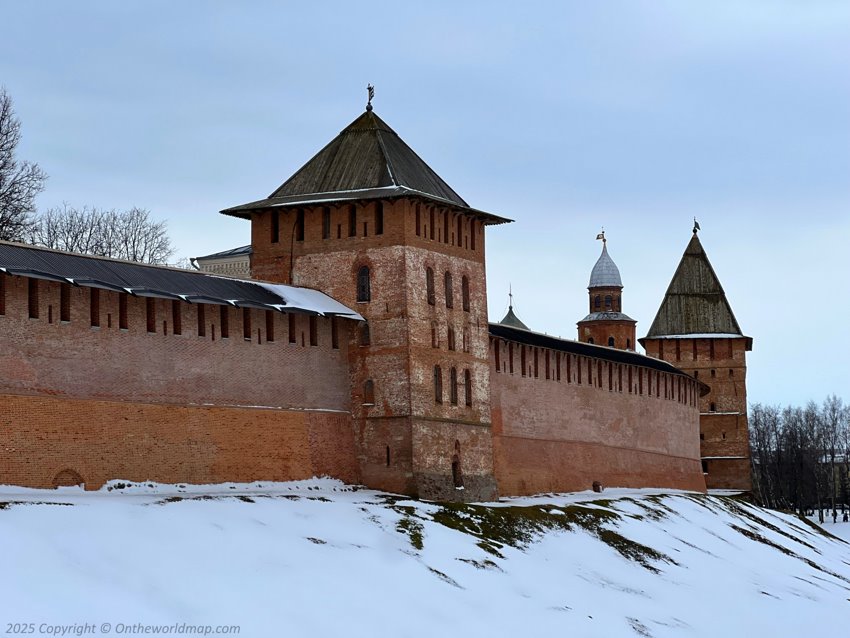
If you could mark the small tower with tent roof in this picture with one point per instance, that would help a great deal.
(696, 330)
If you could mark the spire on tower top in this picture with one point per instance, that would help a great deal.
(696, 226)
(371, 91)
(511, 319)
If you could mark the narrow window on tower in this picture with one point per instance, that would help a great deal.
(224, 320)
(379, 218)
(291, 327)
(122, 311)
(314, 330)
(453, 386)
(431, 224)
(365, 334)
(597, 302)
(352, 221)
(32, 298)
(275, 227)
(246, 324)
(429, 286)
(326, 222)
(150, 312)
(712, 407)
(202, 320)
(270, 326)
(369, 392)
(334, 333)
(299, 225)
(536, 369)
(364, 292)
(445, 227)
(497, 346)
(451, 338)
(472, 233)
(608, 302)
(435, 339)
(598, 374)
(464, 291)
(510, 357)
(460, 231)
(449, 295)
(65, 302)
(611, 342)
(522, 360)
(548, 376)
(418, 221)
(465, 339)
(176, 317)
(438, 385)
(558, 366)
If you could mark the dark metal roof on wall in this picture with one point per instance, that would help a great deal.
(585, 349)
(695, 302)
(367, 160)
(158, 281)
(232, 252)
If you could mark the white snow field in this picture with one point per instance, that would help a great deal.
(320, 558)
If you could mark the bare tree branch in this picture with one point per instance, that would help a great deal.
(20, 182)
(129, 234)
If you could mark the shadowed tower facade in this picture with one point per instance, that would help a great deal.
(696, 330)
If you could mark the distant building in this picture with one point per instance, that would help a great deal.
(235, 262)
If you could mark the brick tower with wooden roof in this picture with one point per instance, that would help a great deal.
(367, 221)
(605, 323)
(696, 330)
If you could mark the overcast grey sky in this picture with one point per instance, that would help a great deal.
(565, 116)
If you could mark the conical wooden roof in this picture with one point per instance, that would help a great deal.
(367, 160)
(695, 302)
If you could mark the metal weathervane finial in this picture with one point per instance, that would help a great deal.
(602, 236)
(696, 226)
(371, 90)
(510, 296)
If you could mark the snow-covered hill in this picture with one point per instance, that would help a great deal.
(318, 558)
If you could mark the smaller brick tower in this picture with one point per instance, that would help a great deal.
(696, 331)
(606, 325)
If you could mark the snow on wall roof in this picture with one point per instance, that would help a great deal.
(144, 280)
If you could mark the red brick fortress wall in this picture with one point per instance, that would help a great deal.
(571, 420)
(83, 395)
(48, 439)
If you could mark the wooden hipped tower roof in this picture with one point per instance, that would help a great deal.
(367, 160)
(695, 303)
